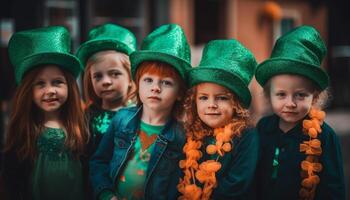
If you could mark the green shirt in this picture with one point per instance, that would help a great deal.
(131, 182)
(56, 174)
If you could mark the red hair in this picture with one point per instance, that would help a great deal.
(89, 93)
(193, 123)
(162, 69)
(26, 119)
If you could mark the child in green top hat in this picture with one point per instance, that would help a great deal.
(221, 150)
(139, 154)
(300, 155)
(108, 85)
(47, 131)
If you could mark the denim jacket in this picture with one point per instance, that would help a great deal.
(117, 144)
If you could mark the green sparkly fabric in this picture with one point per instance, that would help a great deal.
(131, 183)
(229, 64)
(300, 51)
(107, 37)
(56, 174)
(99, 121)
(35, 47)
(167, 43)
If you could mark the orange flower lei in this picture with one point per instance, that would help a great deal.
(205, 171)
(313, 150)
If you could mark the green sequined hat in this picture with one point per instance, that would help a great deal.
(107, 37)
(167, 44)
(299, 51)
(229, 64)
(50, 45)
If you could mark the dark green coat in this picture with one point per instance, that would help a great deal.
(287, 183)
(237, 168)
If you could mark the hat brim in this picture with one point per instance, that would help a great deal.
(137, 57)
(88, 48)
(209, 74)
(66, 61)
(272, 67)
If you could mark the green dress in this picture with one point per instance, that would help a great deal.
(56, 174)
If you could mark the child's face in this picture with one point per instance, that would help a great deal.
(158, 93)
(214, 104)
(50, 90)
(291, 98)
(110, 79)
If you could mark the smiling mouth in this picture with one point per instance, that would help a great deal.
(214, 114)
(292, 113)
(50, 100)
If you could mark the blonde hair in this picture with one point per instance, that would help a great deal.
(89, 93)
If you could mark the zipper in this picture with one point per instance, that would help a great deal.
(125, 157)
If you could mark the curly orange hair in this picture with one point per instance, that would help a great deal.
(193, 123)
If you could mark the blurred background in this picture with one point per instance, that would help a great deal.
(255, 23)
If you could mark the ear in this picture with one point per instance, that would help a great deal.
(315, 98)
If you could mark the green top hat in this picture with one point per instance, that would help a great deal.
(299, 51)
(107, 37)
(167, 44)
(229, 64)
(50, 45)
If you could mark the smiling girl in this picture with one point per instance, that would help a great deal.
(47, 133)
(221, 151)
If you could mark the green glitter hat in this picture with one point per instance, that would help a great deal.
(167, 44)
(50, 45)
(229, 64)
(299, 51)
(107, 37)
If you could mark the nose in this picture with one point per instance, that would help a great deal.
(212, 104)
(156, 88)
(51, 90)
(291, 102)
(106, 81)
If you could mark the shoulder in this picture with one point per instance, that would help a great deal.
(267, 124)
(125, 114)
(328, 134)
(179, 131)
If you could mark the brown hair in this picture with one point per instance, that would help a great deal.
(26, 119)
(89, 93)
(163, 70)
(321, 97)
(193, 123)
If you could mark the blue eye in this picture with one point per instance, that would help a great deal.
(280, 94)
(301, 95)
(167, 83)
(97, 76)
(203, 98)
(39, 83)
(148, 80)
(222, 98)
(114, 73)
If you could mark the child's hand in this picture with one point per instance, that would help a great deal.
(114, 198)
